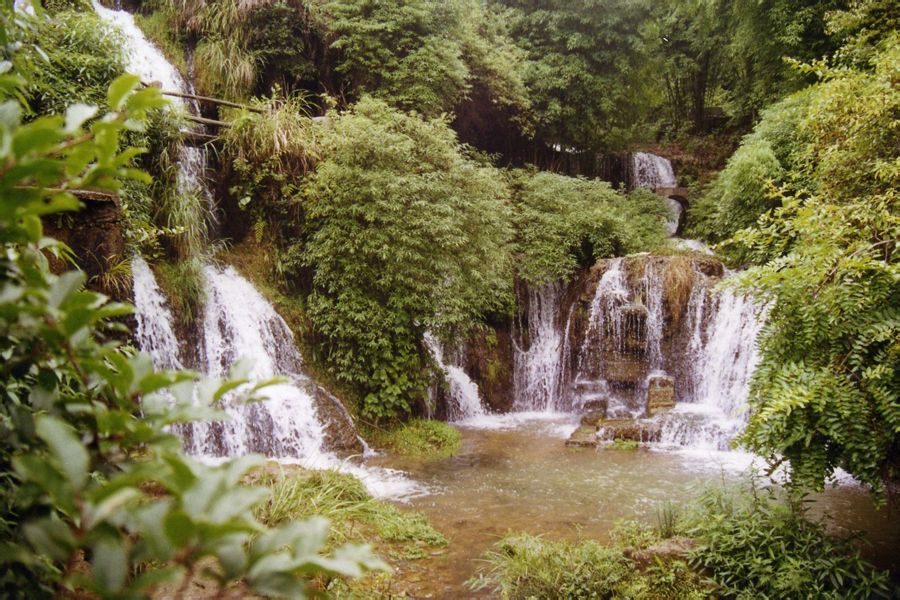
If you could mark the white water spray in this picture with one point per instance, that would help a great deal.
(466, 401)
(539, 379)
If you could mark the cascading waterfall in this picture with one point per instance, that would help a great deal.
(466, 400)
(146, 61)
(539, 379)
(630, 337)
(285, 425)
(651, 171)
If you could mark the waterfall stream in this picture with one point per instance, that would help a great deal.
(466, 401)
(539, 378)
(652, 171)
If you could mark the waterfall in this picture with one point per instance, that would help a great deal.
(631, 335)
(146, 61)
(729, 356)
(155, 332)
(466, 401)
(651, 171)
(238, 322)
(539, 373)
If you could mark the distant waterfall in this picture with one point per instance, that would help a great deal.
(466, 400)
(651, 171)
(540, 373)
(146, 61)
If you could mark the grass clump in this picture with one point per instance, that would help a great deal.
(183, 285)
(422, 438)
(354, 514)
(527, 566)
(753, 545)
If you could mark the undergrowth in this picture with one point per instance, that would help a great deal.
(743, 543)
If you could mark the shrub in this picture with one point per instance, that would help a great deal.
(98, 498)
(406, 234)
(755, 546)
(825, 394)
(83, 56)
(566, 222)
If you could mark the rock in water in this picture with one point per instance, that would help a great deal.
(584, 437)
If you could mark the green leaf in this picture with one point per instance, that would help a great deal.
(119, 90)
(66, 448)
(110, 563)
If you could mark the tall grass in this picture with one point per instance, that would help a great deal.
(225, 68)
(280, 138)
(182, 282)
(355, 516)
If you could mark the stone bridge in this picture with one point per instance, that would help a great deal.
(679, 195)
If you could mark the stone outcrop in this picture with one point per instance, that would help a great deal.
(340, 430)
(488, 360)
(635, 430)
(660, 394)
(96, 236)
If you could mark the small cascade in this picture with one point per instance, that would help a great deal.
(285, 425)
(652, 172)
(466, 401)
(729, 357)
(540, 376)
(155, 332)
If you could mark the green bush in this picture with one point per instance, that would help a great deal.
(566, 222)
(83, 56)
(825, 394)
(405, 234)
(754, 546)
(524, 566)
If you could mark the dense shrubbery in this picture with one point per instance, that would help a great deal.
(406, 234)
(98, 497)
(83, 56)
(563, 223)
(392, 229)
(754, 546)
(826, 392)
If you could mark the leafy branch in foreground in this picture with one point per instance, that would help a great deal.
(97, 495)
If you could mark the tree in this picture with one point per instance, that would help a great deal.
(405, 233)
